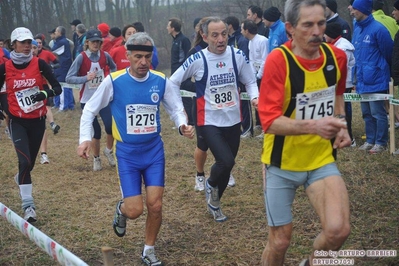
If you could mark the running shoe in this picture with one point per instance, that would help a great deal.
(44, 159)
(30, 215)
(212, 196)
(366, 146)
(119, 223)
(150, 259)
(199, 183)
(246, 135)
(353, 144)
(16, 178)
(217, 214)
(55, 128)
(377, 149)
(260, 136)
(232, 181)
(110, 157)
(97, 164)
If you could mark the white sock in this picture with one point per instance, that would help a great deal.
(147, 247)
(108, 150)
(26, 191)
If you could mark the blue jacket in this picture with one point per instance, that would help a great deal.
(373, 51)
(62, 49)
(237, 40)
(277, 35)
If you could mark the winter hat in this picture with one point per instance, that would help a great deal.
(333, 30)
(272, 14)
(115, 31)
(75, 22)
(104, 28)
(396, 4)
(196, 21)
(363, 6)
(34, 42)
(332, 5)
(378, 4)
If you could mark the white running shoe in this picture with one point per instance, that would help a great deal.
(150, 259)
(110, 157)
(44, 159)
(217, 214)
(30, 215)
(199, 183)
(97, 164)
(232, 181)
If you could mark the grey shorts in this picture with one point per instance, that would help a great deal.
(281, 186)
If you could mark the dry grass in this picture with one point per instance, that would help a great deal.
(75, 207)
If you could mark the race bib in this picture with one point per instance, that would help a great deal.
(315, 105)
(223, 96)
(24, 99)
(94, 83)
(141, 118)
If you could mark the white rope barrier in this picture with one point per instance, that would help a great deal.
(52, 248)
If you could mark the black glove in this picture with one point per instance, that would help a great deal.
(40, 96)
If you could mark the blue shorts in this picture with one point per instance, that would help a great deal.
(281, 186)
(140, 162)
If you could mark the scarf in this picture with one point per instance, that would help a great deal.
(20, 58)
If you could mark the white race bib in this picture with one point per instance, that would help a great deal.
(24, 99)
(94, 83)
(315, 105)
(141, 118)
(223, 96)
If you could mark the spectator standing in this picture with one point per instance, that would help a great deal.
(115, 35)
(299, 144)
(333, 17)
(387, 21)
(61, 48)
(104, 29)
(255, 13)
(373, 50)
(277, 33)
(139, 147)
(75, 37)
(178, 53)
(333, 35)
(80, 40)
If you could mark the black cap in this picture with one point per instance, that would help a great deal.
(332, 5)
(93, 35)
(75, 22)
(115, 31)
(52, 31)
(272, 14)
(333, 30)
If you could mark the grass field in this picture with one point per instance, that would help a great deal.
(75, 206)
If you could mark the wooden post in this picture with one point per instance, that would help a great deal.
(391, 122)
(107, 255)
